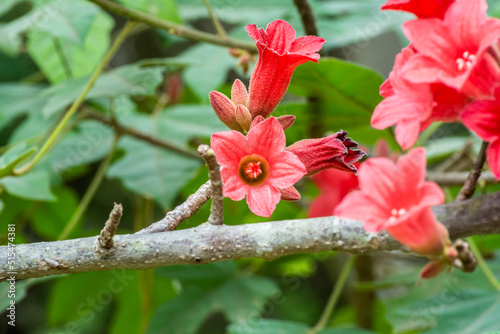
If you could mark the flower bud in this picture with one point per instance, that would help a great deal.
(243, 117)
(224, 109)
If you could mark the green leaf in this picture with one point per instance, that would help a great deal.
(344, 331)
(164, 9)
(344, 96)
(130, 80)
(13, 156)
(51, 218)
(33, 186)
(202, 78)
(157, 173)
(190, 274)
(239, 298)
(268, 326)
(17, 98)
(69, 21)
(21, 288)
(82, 59)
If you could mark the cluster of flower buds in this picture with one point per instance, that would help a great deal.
(255, 162)
(450, 72)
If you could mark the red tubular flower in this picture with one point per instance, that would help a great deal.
(279, 54)
(336, 151)
(413, 107)
(453, 50)
(256, 166)
(397, 198)
(421, 8)
(334, 186)
(483, 117)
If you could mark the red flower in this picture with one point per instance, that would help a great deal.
(279, 54)
(453, 50)
(421, 8)
(256, 166)
(335, 151)
(334, 186)
(396, 197)
(483, 117)
(413, 107)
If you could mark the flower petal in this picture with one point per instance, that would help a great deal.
(232, 185)
(407, 132)
(280, 36)
(229, 148)
(307, 44)
(376, 178)
(360, 206)
(493, 154)
(263, 200)
(267, 138)
(286, 171)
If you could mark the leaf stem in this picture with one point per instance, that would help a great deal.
(89, 194)
(76, 104)
(332, 300)
(175, 29)
(482, 263)
(215, 20)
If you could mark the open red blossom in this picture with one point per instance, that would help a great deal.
(396, 197)
(413, 107)
(256, 166)
(336, 151)
(334, 186)
(279, 54)
(421, 8)
(483, 117)
(453, 50)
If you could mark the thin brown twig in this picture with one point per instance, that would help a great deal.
(307, 17)
(215, 20)
(124, 130)
(175, 29)
(216, 210)
(181, 212)
(106, 236)
(470, 183)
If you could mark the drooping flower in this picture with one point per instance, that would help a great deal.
(336, 151)
(452, 51)
(279, 54)
(257, 166)
(413, 107)
(396, 197)
(421, 8)
(483, 117)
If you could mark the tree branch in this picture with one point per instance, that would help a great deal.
(210, 243)
(124, 130)
(470, 183)
(449, 179)
(174, 29)
(307, 17)
(217, 208)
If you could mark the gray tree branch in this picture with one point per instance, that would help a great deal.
(210, 243)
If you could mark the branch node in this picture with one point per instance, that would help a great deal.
(105, 240)
(465, 260)
(216, 210)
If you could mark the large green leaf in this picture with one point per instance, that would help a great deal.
(81, 59)
(214, 272)
(130, 80)
(202, 78)
(13, 156)
(157, 173)
(33, 186)
(69, 21)
(21, 289)
(271, 326)
(17, 98)
(344, 96)
(239, 298)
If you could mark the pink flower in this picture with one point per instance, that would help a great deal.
(335, 151)
(397, 198)
(421, 8)
(334, 186)
(279, 54)
(413, 107)
(453, 50)
(256, 166)
(483, 117)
